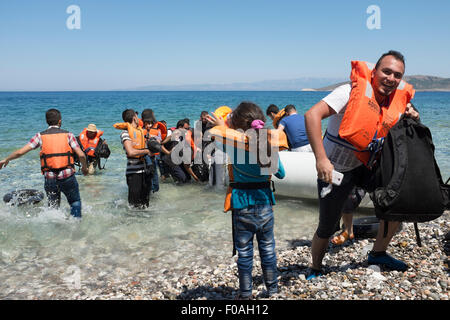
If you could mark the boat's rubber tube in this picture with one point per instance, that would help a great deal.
(301, 177)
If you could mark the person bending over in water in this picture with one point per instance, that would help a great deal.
(294, 126)
(271, 111)
(179, 142)
(90, 139)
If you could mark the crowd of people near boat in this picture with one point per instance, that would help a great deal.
(150, 146)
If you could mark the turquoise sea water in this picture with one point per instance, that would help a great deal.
(184, 226)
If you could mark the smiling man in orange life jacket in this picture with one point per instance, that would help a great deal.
(89, 139)
(57, 162)
(389, 96)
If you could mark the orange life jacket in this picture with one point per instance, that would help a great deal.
(89, 145)
(56, 153)
(364, 120)
(163, 129)
(190, 141)
(239, 140)
(276, 120)
(137, 135)
(227, 203)
(158, 129)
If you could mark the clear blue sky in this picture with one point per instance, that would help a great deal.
(125, 44)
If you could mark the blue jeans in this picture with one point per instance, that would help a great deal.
(68, 186)
(155, 178)
(247, 222)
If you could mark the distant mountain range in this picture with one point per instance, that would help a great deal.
(266, 85)
(420, 83)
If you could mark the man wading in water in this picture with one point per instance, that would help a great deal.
(57, 163)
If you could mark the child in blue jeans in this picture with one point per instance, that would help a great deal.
(251, 199)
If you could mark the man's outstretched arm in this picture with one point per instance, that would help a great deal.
(16, 154)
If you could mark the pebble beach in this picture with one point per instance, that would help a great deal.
(347, 275)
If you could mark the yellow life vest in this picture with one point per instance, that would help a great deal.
(276, 120)
(223, 112)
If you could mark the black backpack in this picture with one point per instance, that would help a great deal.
(409, 185)
(102, 150)
(201, 171)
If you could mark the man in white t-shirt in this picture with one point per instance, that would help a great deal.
(386, 77)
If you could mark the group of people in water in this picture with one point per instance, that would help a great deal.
(149, 144)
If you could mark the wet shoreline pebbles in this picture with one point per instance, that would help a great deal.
(348, 276)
